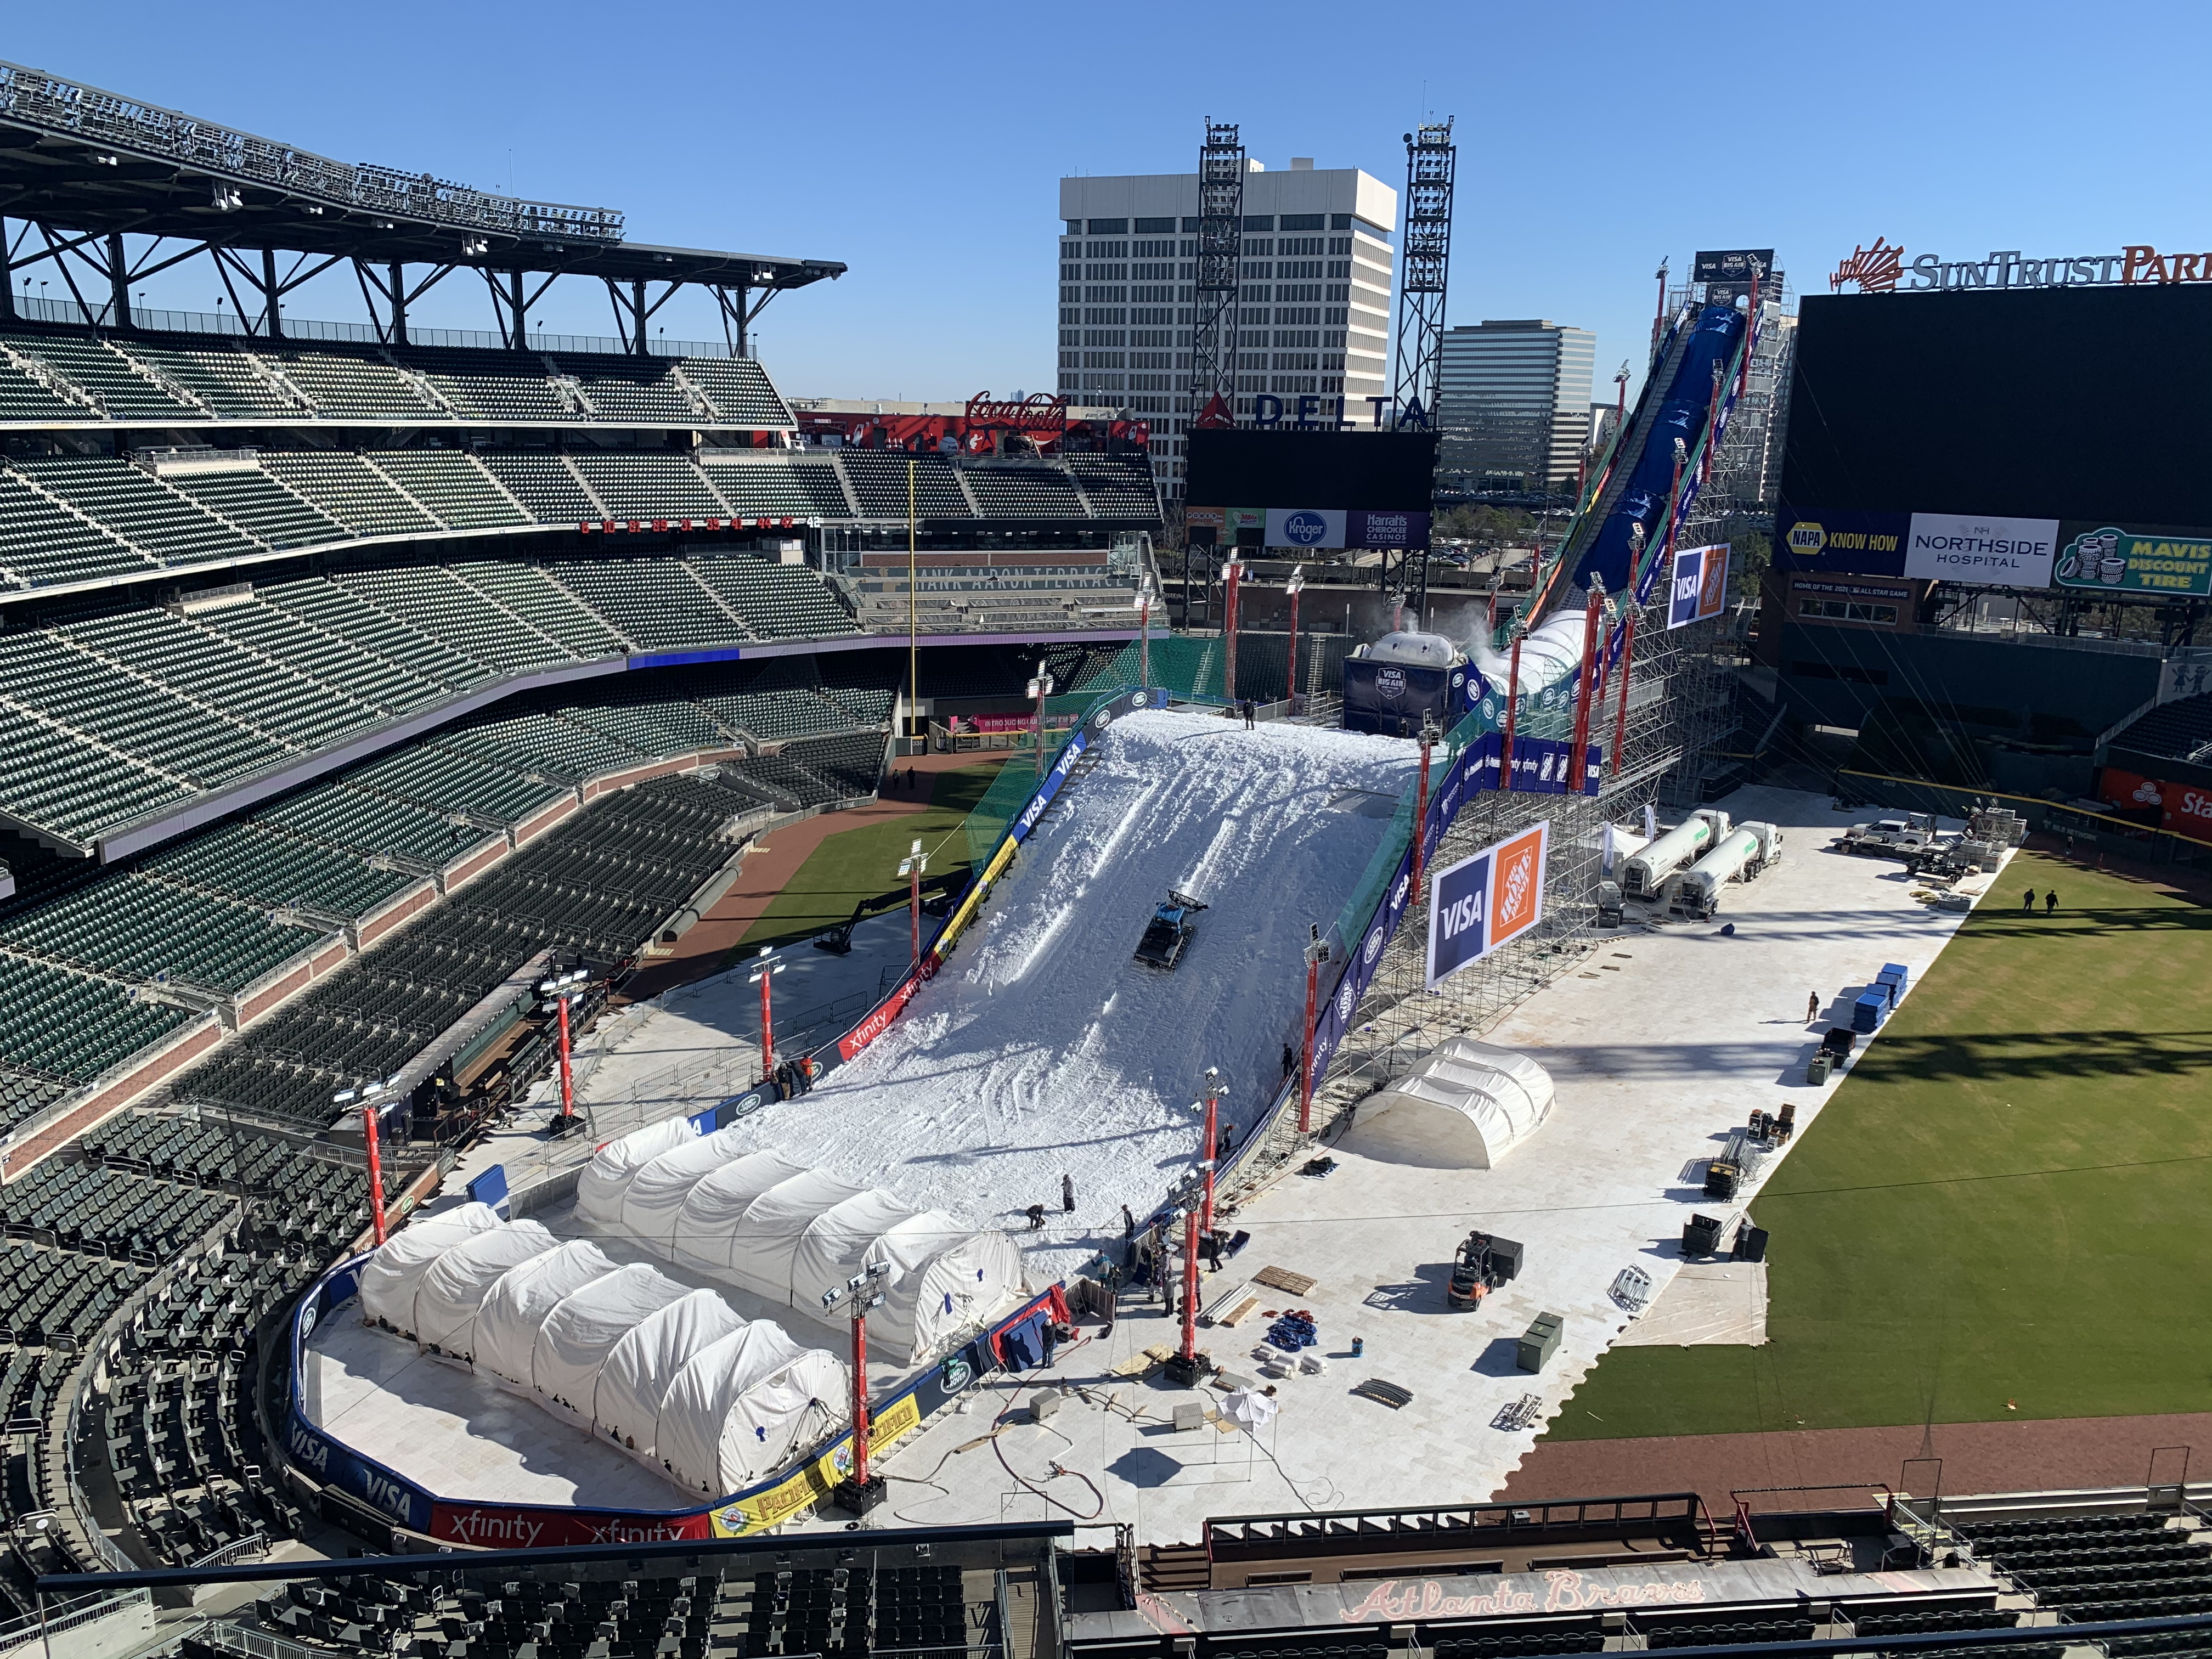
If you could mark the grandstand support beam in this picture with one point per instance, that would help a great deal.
(272, 297)
(633, 312)
(118, 280)
(56, 250)
(738, 313)
(8, 271)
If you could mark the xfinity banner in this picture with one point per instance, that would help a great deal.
(1986, 552)
(1485, 901)
(1700, 584)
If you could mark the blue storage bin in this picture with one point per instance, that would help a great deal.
(1866, 1011)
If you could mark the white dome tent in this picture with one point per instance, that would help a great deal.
(627, 1351)
(744, 1406)
(786, 1234)
(388, 1278)
(1463, 1108)
(508, 1321)
(605, 1181)
(452, 1292)
(635, 1378)
(576, 1338)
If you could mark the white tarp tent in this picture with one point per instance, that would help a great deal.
(507, 1322)
(962, 1282)
(635, 1377)
(605, 1181)
(581, 1330)
(744, 1406)
(1463, 1108)
(388, 1278)
(765, 1246)
(652, 1206)
(707, 1224)
(451, 1292)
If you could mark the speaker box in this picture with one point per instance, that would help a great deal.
(1751, 1244)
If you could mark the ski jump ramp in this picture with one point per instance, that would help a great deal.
(1041, 1047)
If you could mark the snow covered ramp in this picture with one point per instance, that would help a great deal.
(1043, 1049)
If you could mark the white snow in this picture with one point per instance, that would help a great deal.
(1043, 1047)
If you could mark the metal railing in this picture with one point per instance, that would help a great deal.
(69, 1616)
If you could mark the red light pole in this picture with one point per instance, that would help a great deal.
(1231, 574)
(1296, 585)
(1586, 692)
(368, 1095)
(764, 979)
(1316, 954)
(1512, 710)
(1146, 593)
(560, 987)
(1430, 733)
(911, 867)
(1040, 688)
(859, 1492)
(1627, 645)
(1205, 1163)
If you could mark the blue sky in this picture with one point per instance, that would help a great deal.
(923, 146)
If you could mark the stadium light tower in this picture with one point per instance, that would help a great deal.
(1430, 732)
(1296, 585)
(765, 978)
(1220, 250)
(1431, 160)
(370, 1096)
(562, 989)
(911, 867)
(1040, 688)
(1184, 1368)
(859, 1492)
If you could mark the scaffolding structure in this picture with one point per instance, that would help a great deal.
(1220, 249)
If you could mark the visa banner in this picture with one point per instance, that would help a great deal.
(1698, 589)
(1487, 901)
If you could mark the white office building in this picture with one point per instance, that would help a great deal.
(1514, 404)
(1313, 320)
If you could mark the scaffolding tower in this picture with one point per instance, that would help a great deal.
(1220, 247)
(1432, 159)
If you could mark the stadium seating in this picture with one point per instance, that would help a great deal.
(2181, 729)
(261, 507)
(1010, 491)
(228, 382)
(2093, 1567)
(535, 599)
(138, 927)
(655, 603)
(452, 485)
(255, 864)
(777, 601)
(435, 600)
(879, 481)
(629, 389)
(138, 508)
(648, 486)
(346, 386)
(349, 489)
(762, 484)
(25, 396)
(118, 386)
(739, 389)
(496, 384)
(42, 543)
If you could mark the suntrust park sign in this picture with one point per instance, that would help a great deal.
(1883, 269)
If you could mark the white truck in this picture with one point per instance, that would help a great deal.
(1645, 874)
(1739, 855)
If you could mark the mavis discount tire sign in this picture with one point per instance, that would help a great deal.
(1486, 901)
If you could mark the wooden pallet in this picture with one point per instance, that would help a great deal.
(1283, 1278)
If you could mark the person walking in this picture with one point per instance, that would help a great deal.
(1209, 1248)
(2051, 903)
(1289, 1061)
(2027, 903)
(1249, 712)
(1128, 1223)
(1812, 1006)
(1067, 1195)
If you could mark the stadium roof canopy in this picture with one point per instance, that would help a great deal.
(85, 167)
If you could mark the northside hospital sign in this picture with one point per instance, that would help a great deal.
(1881, 270)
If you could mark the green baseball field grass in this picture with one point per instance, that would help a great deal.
(2006, 1209)
(856, 863)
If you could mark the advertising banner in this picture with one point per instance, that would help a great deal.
(532, 1526)
(1485, 901)
(2112, 560)
(1988, 552)
(1861, 543)
(1735, 264)
(1305, 526)
(1541, 766)
(2184, 808)
(1698, 590)
(1365, 529)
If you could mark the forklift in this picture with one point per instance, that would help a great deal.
(1484, 1262)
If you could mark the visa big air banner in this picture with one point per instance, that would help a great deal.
(1487, 901)
(1698, 590)
(2113, 559)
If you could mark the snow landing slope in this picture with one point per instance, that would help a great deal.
(1044, 1048)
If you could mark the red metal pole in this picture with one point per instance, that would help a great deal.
(1040, 729)
(1294, 650)
(1212, 1118)
(1421, 811)
(768, 1030)
(1512, 717)
(1228, 621)
(1620, 703)
(568, 1081)
(914, 910)
(368, 1113)
(1305, 1060)
(1586, 692)
(1190, 1286)
(861, 1399)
